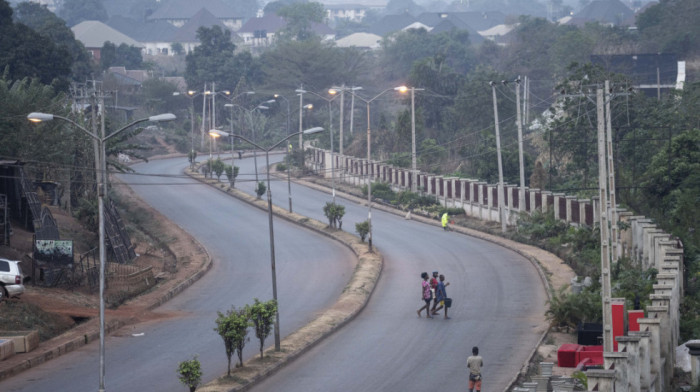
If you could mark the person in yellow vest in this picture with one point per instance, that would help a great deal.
(445, 219)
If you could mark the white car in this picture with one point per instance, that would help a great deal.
(11, 279)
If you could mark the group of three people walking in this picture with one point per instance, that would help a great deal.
(434, 292)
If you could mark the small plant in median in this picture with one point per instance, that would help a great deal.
(260, 190)
(334, 213)
(232, 173)
(218, 167)
(362, 229)
(233, 329)
(190, 373)
(262, 315)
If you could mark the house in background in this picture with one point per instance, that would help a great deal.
(652, 73)
(179, 12)
(156, 37)
(360, 40)
(345, 12)
(261, 32)
(93, 34)
(608, 12)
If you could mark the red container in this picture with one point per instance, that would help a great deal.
(566, 355)
(595, 353)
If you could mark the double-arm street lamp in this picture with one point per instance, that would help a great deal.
(330, 127)
(369, 157)
(414, 169)
(269, 210)
(101, 166)
(191, 94)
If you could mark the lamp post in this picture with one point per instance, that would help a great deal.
(101, 164)
(414, 170)
(330, 126)
(289, 158)
(269, 210)
(191, 94)
(342, 90)
(369, 150)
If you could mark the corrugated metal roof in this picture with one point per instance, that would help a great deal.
(94, 34)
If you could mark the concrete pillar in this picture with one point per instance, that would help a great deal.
(546, 368)
(569, 214)
(659, 311)
(582, 210)
(600, 380)
(656, 370)
(533, 199)
(542, 383)
(530, 386)
(694, 351)
(618, 362)
(545, 195)
(630, 345)
(644, 360)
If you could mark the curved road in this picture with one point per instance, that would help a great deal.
(236, 236)
(499, 303)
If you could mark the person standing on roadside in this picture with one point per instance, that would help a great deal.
(445, 219)
(441, 296)
(426, 295)
(474, 364)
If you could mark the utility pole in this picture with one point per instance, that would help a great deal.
(301, 92)
(414, 164)
(606, 291)
(501, 209)
(521, 193)
(611, 175)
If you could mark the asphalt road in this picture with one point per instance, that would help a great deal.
(311, 273)
(499, 303)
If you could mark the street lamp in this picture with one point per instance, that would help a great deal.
(191, 94)
(330, 114)
(289, 150)
(369, 179)
(342, 90)
(269, 210)
(414, 170)
(101, 165)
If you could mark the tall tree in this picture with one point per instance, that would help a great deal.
(26, 53)
(76, 11)
(46, 23)
(122, 55)
(214, 61)
(300, 18)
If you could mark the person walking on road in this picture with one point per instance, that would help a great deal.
(474, 364)
(445, 220)
(433, 290)
(441, 296)
(426, 295)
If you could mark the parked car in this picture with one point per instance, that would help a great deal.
(11, 279)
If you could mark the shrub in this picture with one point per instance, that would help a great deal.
(334, 213)
(190, 373)
(260, 190)
(262, 315)
(233, 329)
(362, 229)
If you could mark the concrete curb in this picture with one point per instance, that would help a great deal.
(90, 331)
(353, 299)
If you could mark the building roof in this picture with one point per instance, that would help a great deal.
(360, 40)
(94, 34)
(186, 9)
(605, 11)
(391, 23)
(154, 31)
(270, 23)
(445, 21)
(641, 68)
(188, 32)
